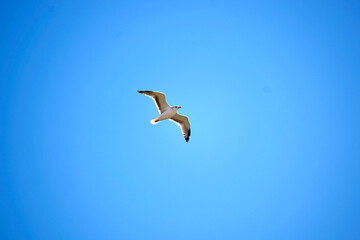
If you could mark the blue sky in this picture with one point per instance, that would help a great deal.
(271, 89)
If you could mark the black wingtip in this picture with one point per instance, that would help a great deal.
(143, 92)
(188, 136)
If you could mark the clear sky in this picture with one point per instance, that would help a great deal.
(272, 90)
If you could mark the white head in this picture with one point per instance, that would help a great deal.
(177, 107)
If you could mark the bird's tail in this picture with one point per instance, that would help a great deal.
(155, 121)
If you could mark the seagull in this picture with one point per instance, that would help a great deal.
(167, 112)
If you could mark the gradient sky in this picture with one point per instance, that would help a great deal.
(272, 90)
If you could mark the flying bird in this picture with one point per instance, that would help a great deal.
(167, 112)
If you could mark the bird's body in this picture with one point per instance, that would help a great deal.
(167, 112)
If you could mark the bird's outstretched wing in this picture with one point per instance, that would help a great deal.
(159, 99)
(184, 123)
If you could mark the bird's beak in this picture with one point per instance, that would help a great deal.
(179, 107)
